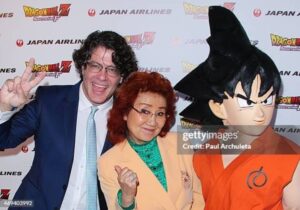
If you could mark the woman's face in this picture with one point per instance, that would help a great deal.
(147, 117)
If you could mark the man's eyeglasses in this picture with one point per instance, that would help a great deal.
(146, 114)
(97, 67)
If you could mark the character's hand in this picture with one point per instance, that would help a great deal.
(128, 181)
(14, 92)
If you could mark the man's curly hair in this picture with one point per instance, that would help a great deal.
(123, 56)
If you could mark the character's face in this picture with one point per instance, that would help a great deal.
(100, 77)
(250, 115)
(146, 117)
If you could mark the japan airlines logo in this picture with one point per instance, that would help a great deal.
(91, 12)
(257, 12)
(19, 42)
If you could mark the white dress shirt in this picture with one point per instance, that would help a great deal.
(75, 197)
(5, 116)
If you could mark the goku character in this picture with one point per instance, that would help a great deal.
(236, 88)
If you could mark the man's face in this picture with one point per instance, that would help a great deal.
(250, 115)
(100, 76)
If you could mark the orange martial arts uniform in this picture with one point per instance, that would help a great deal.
(252, 180)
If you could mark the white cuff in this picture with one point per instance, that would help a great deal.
(5, 116)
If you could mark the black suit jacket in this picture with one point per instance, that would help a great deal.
(51, 118)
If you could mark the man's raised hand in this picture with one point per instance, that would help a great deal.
(15, 92)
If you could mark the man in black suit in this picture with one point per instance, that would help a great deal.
(57, 118)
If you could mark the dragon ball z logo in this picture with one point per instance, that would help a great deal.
(201, 12)
(285, 44)
(54, 70)
(47, 14)
(187, 67)
(288, 102)
(198, 12)
(139, 40)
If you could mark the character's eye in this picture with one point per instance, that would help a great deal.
(160, 114)
(268, 101)
(245, 103)
(145, 112)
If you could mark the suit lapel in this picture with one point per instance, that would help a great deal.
(172, 170)
(107, 145)
(149, 184)
(70, 107)
(177, 171)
